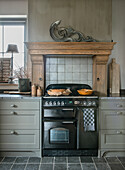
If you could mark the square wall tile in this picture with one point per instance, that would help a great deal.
(76, 76)
(90, 76)
(90, 61)
(84, 76)
(68, 61)
(53, 60)
(47, 76)
(53, 68)
(53, 76)
(47, 60)
(68, 76)
(60, 68)
(61, 60)
(84, 61)
(61, 76)
(68, 68)
(90, 68)
(47, 68)
(76, 68)
(76, 60)
(83, 68)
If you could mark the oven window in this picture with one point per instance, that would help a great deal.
(59, 135)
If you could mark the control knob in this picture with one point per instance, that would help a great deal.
(89, 103)
(84, 103)
(54, 103)
(62, 103)
(58, 103)
(93, 103)
(50, 103)
(76, 102)
(46, 103)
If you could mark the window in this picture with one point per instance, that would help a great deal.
(12, 31)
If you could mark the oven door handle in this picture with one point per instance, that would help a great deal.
(67, 109)
(67, 122)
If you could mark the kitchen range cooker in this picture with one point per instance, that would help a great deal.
(70, 122)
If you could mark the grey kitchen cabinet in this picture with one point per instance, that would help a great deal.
(112, 126)
(20, 125)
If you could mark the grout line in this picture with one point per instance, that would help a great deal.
(120, 162)
(94, 163)
(13, 163)
(67, 162)
(53, 162)
(107, 163)
(26, 163)
(80, 163)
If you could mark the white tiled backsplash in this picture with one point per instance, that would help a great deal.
(69, 70)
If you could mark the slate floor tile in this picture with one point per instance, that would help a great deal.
(34, 160)
(1, 158)
(8, 160)
(32, 166)
(46, 167)
(47, 160)
(18, 167)
(102, 166)
(99, 160)
(122, 159)
(73, 160)
(112, 160)
(60, 160)
(116, 166)
(74, 167)
(21, 160)
(5, 166)
(86, 159)
(60, 167)
(88, 166)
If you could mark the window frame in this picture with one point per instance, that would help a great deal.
(14, 22)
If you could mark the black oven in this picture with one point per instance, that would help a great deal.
(60, 127)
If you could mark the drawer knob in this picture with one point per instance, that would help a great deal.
(13, 132)
(119, 105)
(14, 113)
(119, 113)
(12, 105)
(119, 132)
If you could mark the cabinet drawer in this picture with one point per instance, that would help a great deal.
(19, 139)
(112, 119)
(115, 104)
(19, 104)
(19, 119)
(112, 139)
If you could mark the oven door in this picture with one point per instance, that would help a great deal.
(59, 134)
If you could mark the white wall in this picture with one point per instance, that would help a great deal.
(118, 35)
(13, 7)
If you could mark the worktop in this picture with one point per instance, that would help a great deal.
(14, 96)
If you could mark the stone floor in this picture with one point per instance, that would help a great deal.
(62, 163)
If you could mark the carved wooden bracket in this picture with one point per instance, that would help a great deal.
(99, 50)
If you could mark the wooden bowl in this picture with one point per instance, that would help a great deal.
(85, 91)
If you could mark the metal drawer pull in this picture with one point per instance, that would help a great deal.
(119, 132)
(119, 113)
(68, 122)
(67, 109)
(13, 133)
(12, 105)
(14, 113)
(119, 105)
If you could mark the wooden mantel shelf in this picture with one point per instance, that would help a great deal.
(99, 50)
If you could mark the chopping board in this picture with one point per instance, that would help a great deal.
(16, 92)
(114, 77)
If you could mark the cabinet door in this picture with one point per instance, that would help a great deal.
(112, 119)
(19, 119)
(112, 139)
(19, 139)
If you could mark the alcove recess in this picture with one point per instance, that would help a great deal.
(99, 50)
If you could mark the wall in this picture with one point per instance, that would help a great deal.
(92, 17)
(118, 35)
(13, 7)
